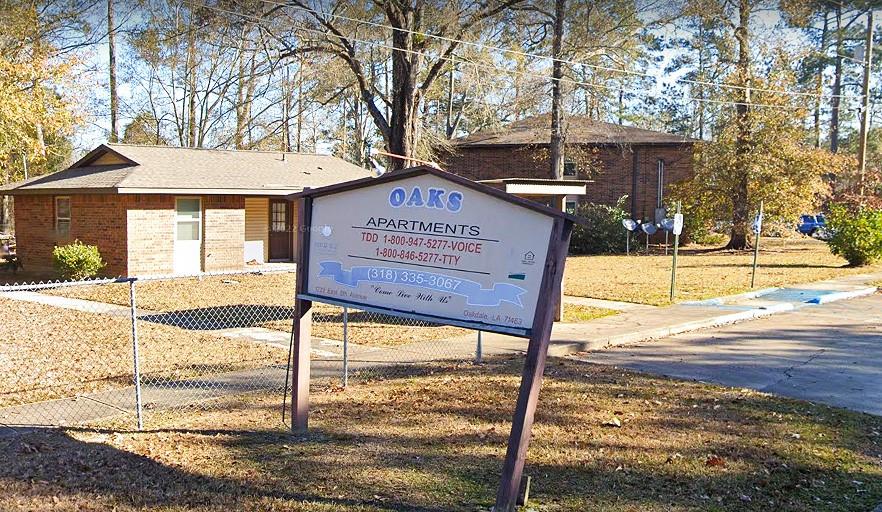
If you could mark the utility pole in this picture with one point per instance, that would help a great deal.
(557, 130)
(865, 108)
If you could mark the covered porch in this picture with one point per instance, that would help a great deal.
(270, 230)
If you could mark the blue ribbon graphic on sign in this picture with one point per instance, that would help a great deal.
(475, 294)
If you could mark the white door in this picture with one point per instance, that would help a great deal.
(188, 235)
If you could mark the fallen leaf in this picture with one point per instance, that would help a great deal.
(614, 422)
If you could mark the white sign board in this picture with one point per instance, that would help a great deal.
(758, 223)
(428, 246)
(678, 224)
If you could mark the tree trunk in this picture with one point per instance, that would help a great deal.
(286, 109)
(5, 224)
(740, 200)
(405, 99)
(819, 82)
(450, 87)
(299, 103)
(702, 77)
(837, 85)
(114, 99)
(557, 130)
(191, 80)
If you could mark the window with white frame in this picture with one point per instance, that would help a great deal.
(62, 215)
(570, 206)
(570, 169)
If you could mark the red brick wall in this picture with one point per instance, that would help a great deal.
(612, 176)
(96, 219)
(151, 233)
(134, 233)
(223, 239)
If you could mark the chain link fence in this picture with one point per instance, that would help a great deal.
(79, 353)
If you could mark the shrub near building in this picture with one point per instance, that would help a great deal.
(604, 233)
(77, 261)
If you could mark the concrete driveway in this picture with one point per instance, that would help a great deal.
(828, 353)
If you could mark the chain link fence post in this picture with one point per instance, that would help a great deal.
(136, 356)
(479, 356)
(345, 346)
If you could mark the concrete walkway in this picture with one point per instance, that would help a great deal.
(633, 325)
(830, 354)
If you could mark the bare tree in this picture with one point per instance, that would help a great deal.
(417, 60)
(557, 129)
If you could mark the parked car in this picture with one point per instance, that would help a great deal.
(813, 226)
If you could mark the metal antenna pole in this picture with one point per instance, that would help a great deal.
(674, 265)
(756, 244)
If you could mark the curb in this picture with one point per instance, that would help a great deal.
(569, 348)
(833, 297)
(718, 301)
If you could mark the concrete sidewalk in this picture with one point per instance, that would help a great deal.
(648, 323)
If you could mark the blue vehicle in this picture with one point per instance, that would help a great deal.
(812, 225)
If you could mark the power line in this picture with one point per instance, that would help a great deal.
(564, 61)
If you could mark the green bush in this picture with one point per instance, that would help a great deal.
(603, 233)
(77, 260)
(856, 234)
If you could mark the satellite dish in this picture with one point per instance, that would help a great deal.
(649, 228)
(668, 224)
(629, 224)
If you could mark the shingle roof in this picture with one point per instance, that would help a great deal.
(579, 130)
(223, 171)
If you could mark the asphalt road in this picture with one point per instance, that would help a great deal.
(830, 353)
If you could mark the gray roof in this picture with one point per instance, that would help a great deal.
(158, 169)
(579, 130)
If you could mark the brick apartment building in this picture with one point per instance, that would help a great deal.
(163, 210)
(610, 159)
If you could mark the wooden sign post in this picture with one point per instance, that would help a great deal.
(429, 245)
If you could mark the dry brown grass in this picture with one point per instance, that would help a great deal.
(271, 289)
(702, 274)
(435, 440)
(574, 313)
(48, 352)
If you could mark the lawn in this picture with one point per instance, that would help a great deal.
(703, 273)
(47, 352)
(434, 440)
(270, 289)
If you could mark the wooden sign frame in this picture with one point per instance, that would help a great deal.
(539, 333)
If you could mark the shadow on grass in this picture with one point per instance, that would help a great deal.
(419, 439)
(90, 473)
(221, 317)
(250, 315)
